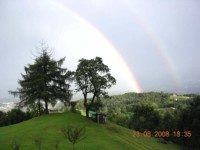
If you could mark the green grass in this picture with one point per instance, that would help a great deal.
(98, 136)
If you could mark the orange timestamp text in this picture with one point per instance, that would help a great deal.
(162, 134)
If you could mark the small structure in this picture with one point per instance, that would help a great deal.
(98, 117)
(101, 118)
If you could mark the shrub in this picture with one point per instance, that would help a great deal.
(74, 134)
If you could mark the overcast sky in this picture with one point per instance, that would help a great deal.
(159, 41)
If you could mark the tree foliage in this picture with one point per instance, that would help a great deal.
(189, 120)
(93, 77)
(145, 118)
(157, 111)
(44, 81)
(13, 116)
(97, 105)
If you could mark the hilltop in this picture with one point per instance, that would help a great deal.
(98, 136)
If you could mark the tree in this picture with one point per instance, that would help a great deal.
(144, 118)
(35, 109)
(189, 121)
(93, 77)
(15, 116)
(2, 118)
(97, 105)
(168, 123)
(74, 134)
(44, 81)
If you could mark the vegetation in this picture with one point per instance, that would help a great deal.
(73, 134)
(147, 115)
(93, 77)
(15, 145)
(98, 136)
(144, 118)
(123, 106)
(188, 124)
(172, 117)
(44, 81)
(153, 111)
(13, 116)
(73, 106)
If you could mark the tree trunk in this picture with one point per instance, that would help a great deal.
(46, 107)
(87, 112)
(39, 108)
(85, 105)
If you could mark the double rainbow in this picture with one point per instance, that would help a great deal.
(159, 46)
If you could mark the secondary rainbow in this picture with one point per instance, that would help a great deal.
(162, 51)
(160, 47)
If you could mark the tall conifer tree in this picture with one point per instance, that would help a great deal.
(44, 81)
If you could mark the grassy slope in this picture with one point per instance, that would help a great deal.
(98, 137)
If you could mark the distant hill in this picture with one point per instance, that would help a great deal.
(98, 136)
(125, 102)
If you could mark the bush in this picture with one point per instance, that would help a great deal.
(74, 134)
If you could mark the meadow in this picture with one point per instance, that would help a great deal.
(97, 137)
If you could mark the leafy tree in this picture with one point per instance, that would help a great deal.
(45, 81)
(97, 105)
(93, 77)
(169, 123)
(189, 120)
(74, 134)
(145, 118)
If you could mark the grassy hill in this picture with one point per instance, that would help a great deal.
(98, 136)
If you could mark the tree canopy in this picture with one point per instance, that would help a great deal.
(93, 77)
(44, 81)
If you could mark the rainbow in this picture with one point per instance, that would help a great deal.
(129, 73)
(162, 51)
(160, 48)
